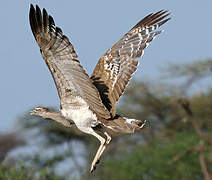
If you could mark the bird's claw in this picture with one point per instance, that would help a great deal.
(97, 162)
(93, 167)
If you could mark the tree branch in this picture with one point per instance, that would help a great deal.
(180, 155)
(186, 106)
(202, 161)
(200, 148)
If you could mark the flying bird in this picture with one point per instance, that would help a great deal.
(90, 102)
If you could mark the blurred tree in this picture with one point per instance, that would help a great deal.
(9, 142)
(24, 173)
(177, 138)
(65, 144)
(157, 160)
(10, 169)
(175, 144)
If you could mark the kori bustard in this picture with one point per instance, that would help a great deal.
(90, 102)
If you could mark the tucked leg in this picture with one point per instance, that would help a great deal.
(56, 116)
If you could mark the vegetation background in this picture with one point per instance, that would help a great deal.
(176, 100)
(176, 142)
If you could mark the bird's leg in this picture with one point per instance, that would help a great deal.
(108, 137)
(56, 116)
(104, 147)
(102, 141)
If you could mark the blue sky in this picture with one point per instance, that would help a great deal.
(93, 27)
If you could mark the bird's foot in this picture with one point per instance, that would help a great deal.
(93, 167)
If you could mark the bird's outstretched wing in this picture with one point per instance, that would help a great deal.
(59, 54)
(115, 69)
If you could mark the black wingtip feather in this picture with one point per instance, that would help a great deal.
(145, 21)
(51, 21)
(156, 18)
(45, 20)
(41, 22)
(39, 18)
(59, 31)
(32, 19)
(153, 18)
(31, 6)
(51, 24)
(142, 21)
(164, 21)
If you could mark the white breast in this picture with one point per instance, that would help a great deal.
(79, 113)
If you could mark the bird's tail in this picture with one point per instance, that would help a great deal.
(124, 124)
(136, 124)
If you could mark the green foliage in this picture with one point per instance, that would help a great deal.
(24, 173)
(155, 161)
(198, 69)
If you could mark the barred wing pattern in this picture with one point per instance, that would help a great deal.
(59, 54)
(115, 69)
